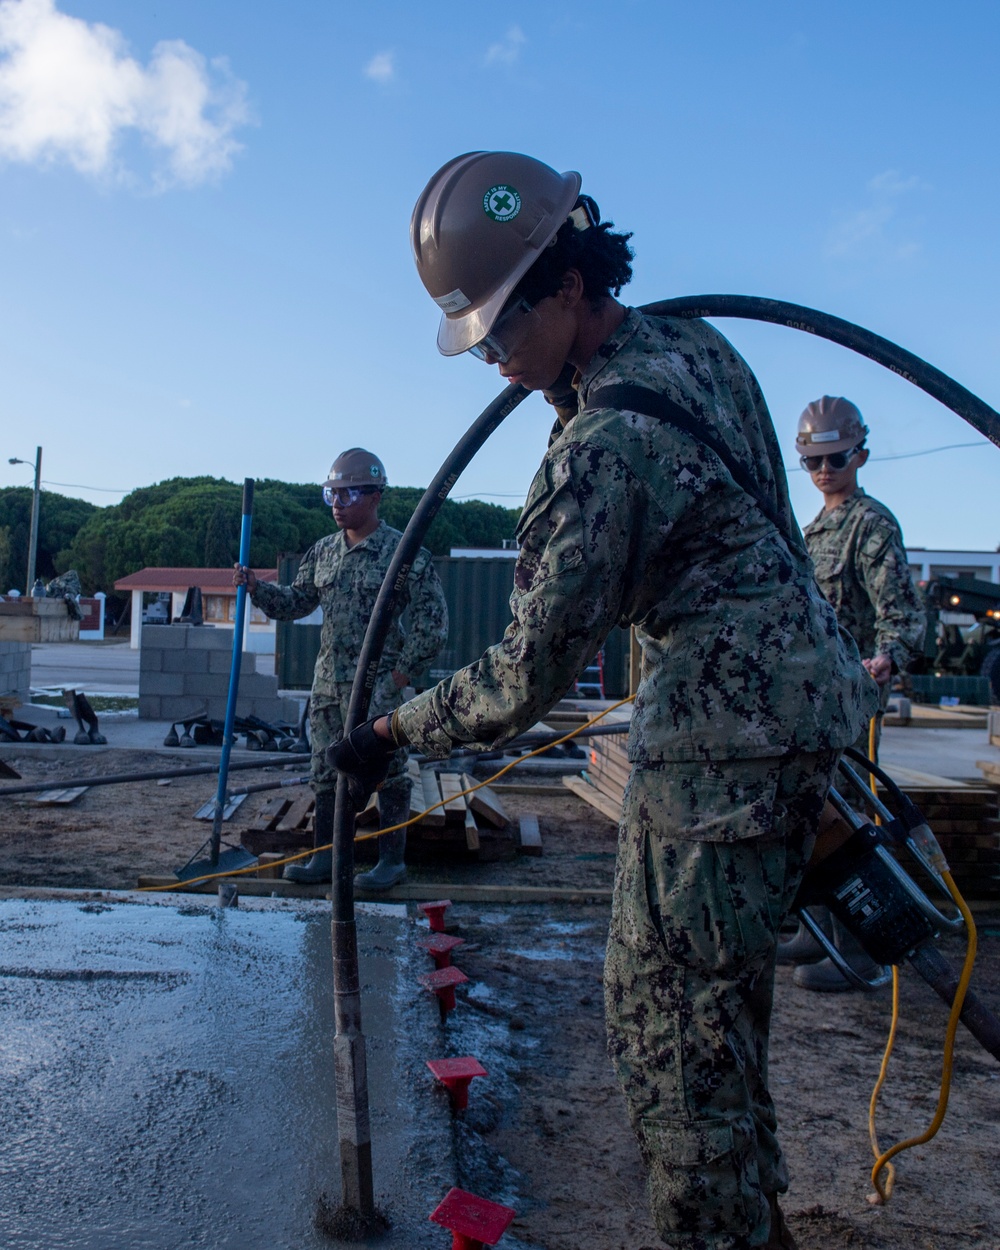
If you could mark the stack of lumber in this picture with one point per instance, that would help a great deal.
(930, 716)
(964, 817)
(460, 828)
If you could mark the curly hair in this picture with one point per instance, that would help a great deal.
(602, 256)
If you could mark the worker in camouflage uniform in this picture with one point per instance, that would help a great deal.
(661, 503)
(342, 574)
(857, 551)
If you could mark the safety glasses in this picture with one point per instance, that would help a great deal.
(345, 495)
(837, 460)
(515, 322)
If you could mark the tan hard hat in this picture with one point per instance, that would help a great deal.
(477, 228)
(357, 467)
(829, 424)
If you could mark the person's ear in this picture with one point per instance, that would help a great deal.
(571, 288)
(862, 457)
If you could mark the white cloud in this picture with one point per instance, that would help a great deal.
(381, 68)
(867, 230)
(70, 92)
(508, 49)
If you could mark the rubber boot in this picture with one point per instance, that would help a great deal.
(803, 948)
(320, 867)
(390, 869)
(825, 977)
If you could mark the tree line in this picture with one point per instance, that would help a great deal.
(195, 522)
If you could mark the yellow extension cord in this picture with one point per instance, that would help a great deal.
(377, 833)
(883, 1190)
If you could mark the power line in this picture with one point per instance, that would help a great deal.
(105, 490)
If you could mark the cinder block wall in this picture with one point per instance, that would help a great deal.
(184, 672)
(15, 669)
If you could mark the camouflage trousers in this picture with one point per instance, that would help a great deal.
(327, 717)
(710, 857)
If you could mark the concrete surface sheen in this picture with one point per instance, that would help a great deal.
(166, 1077)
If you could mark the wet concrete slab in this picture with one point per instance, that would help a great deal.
(166, 1078)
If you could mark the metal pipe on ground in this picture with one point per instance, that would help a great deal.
(156, 774)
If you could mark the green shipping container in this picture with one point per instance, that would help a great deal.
(478, 593)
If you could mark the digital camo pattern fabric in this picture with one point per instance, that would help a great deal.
(861, 566)
(327, 718)
(344, 581)
(709, 860)
(748, 690)
(630, 520)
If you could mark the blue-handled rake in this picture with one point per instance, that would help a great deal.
(233, 857)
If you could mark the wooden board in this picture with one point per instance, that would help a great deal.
(530, 835)
(432, 796)
(593, 796)
(60, 798)
(990, 770)
(486, 804)
(233, 803)
(399, 893)
(297, 814)
(451, 790)
(471, 831)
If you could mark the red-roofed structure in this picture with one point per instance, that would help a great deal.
(218, 595)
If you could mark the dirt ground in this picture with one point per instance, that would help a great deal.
(548, 1131)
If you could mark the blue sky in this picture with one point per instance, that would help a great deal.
(204, 211)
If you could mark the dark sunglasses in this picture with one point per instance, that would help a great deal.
(835, 459)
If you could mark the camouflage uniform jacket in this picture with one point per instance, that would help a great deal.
(630, 520)
(344, 581)
(862, 569)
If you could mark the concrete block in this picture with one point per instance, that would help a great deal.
(183, 707)
(220, 662)
(267, 709)
(149, 707)
(207, 685)
(291, 708)
(185, 662)
(166, 637)
(151, 659)
(161, 683)
(258, 686)
(208, 637)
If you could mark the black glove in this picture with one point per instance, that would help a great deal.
(363, 757)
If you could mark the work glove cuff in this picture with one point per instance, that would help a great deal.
(364, 758)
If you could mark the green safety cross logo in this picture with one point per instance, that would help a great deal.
(502, 203)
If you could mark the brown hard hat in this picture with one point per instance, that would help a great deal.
(357, 467)
(477, 228)
(829, 424)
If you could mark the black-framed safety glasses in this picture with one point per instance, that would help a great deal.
(345, 495)
(512, 326)
(837, 460)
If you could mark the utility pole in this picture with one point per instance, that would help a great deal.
(35, 499)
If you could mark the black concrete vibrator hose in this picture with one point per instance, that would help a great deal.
(352, 1092)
